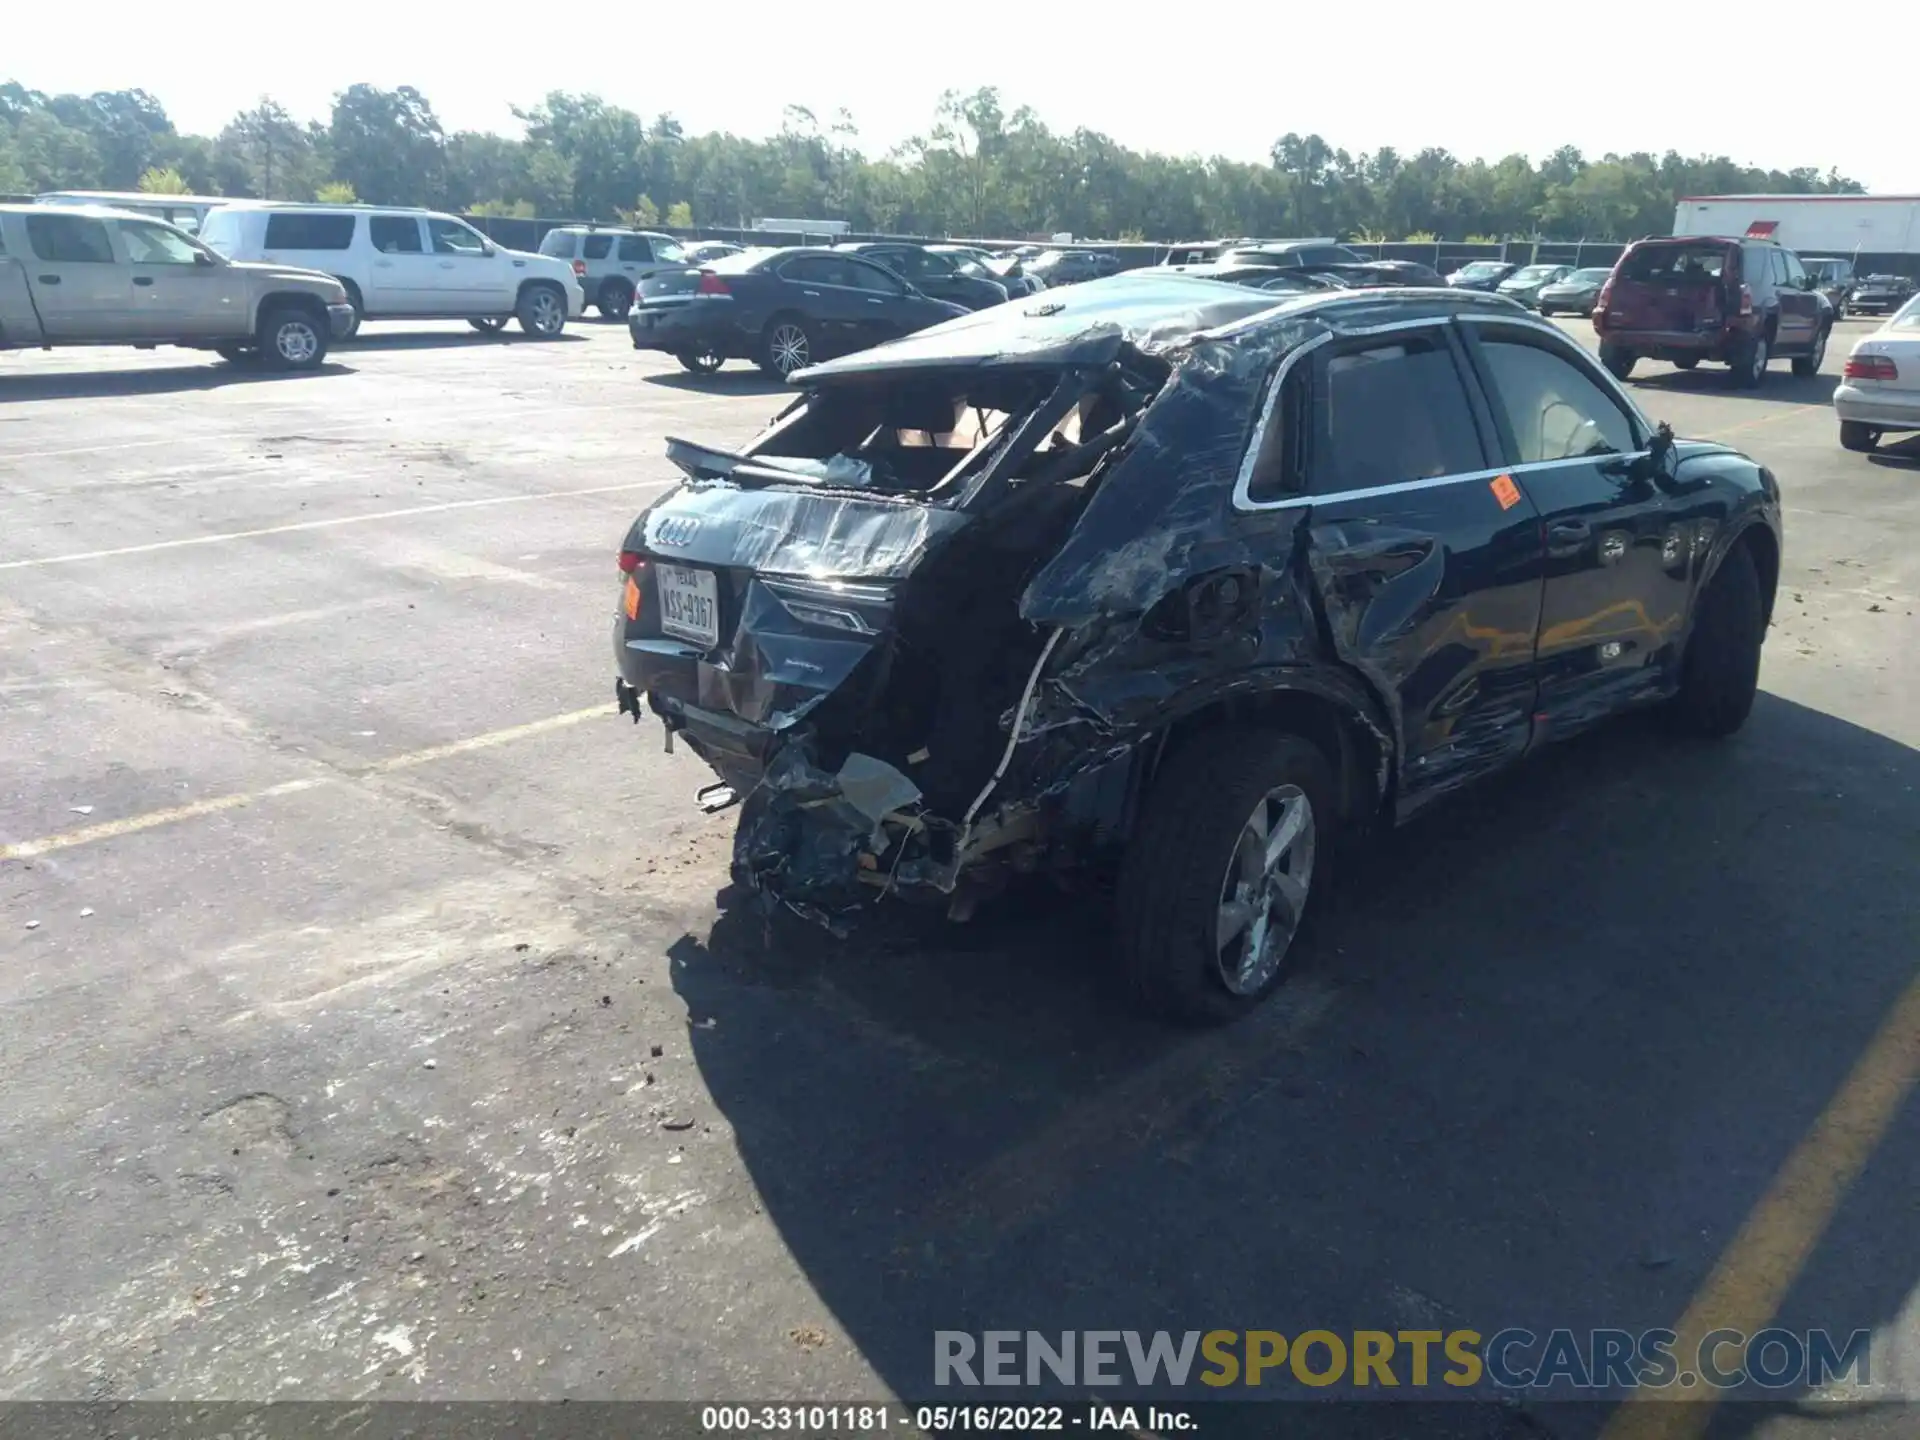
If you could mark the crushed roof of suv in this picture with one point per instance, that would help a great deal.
(1148, 308)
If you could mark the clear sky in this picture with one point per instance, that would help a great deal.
(1776, 84)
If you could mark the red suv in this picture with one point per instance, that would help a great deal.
(1694, 298)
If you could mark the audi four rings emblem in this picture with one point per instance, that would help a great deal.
(675, 530)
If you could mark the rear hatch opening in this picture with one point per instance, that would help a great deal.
(868, 658)
(1678, 287)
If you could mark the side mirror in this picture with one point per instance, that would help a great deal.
(1660, 450)
(200, 257)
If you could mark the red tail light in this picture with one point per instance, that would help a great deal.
(632, 560)
(1746, 300)
(580, 268)
(712, 284)
(1872, 367)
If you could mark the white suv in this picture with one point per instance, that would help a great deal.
(400, 264)
(612, 262)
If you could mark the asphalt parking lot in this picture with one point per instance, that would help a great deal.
(372, 1023)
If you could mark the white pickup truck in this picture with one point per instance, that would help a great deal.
(74, 275)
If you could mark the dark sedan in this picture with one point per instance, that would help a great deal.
(1052, 591)
(782, 309)
(1880, 295)
(943, 276)
(1481, 275)
(1577, 294)
(1526, 283)
(1010, 271)
(1070, 267)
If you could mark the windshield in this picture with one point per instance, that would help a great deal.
(1537, 272)
(668, 249)
(1907, 317)
(1481, 268)
(1597, 275)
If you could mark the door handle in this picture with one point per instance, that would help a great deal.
(446, 264)
(1569, 532)
(815, 294)
(383, 264)
(143, 279)
(875, 300)
(49, 279)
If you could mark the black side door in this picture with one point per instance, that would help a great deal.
(1618, 548)
(820, 289)
(927, 272)
(1425, 558)
(887, 305)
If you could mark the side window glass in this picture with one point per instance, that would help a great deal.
(395, 234)
(557, 243)
(70, 239)
(633, 247)
(450, 237)
(155, 244)
(1393, 412)
(1553, 409)
(807, 270)
(1280, 470)
(596, 247)
(863, 276)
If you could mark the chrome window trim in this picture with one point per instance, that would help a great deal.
(1432, 482)
(1243, 484)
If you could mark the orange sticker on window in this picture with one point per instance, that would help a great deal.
(631, 599)
(1505, 491)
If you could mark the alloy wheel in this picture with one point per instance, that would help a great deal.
(788, 346)
(295, 341)
(1263, 895)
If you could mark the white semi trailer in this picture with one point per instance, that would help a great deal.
(1877, 231)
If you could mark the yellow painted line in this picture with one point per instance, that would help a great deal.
(1764, 1260)
(290, 529)
(134, 824)
(488, 740)
(1795, 412)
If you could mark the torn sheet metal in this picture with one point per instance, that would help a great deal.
(788, 532)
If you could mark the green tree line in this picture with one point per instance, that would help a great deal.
(979, 169)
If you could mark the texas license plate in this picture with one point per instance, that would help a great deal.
(689, 604)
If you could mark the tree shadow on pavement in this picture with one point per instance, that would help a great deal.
(1551, 1042)
(173, 379)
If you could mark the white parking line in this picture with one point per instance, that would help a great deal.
(327, 524)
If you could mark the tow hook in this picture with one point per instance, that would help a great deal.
(628, 699)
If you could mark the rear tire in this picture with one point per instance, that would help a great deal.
(542, 311)
(1808, 365)
(290, 338)
(701, 362)
(1855, 435)
(487, 324)
(1619, 362)
(1721, 669)
(1749, 364)
(248, 355)
(615, 299)
(1686, 362)
(1185, 881)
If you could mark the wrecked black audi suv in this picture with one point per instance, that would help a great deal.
(1162, 584)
